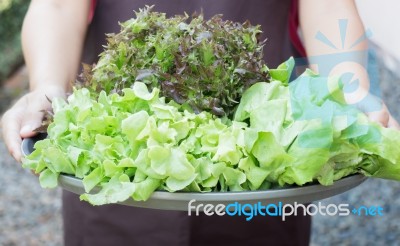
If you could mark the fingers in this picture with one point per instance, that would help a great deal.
(31, 120)
(19, 122)
(381, 117)
(373, 107)
(384, 118)
(25, 116)
(10, 128)
(393, 123)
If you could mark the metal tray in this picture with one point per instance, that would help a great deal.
(179, 200)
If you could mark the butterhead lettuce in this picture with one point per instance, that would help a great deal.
(133, 144)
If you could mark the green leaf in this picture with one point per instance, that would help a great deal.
(112, 192)
(282, 72)
(48, 179)
(92, 179)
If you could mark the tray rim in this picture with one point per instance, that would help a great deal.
(179, 200)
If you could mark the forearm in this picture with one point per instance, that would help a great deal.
(326, 41)
(52, 38)
(323, 16)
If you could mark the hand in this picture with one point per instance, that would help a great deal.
(25, 116)
(384, 118)
(373, 107)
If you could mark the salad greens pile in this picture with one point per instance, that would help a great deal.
(133, 144)
(132, 139)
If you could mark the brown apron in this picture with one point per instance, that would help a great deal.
(122, 225)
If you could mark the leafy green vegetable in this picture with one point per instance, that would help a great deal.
(137, 141)
(204, 64)
(133, 144)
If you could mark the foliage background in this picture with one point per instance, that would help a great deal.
(11, 18)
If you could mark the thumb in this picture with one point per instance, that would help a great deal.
(30, 122)
(380, 117)
(393, 123)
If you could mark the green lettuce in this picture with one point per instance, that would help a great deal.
(130, 145)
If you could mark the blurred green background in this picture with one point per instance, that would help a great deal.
(12, 14)
(11, 17)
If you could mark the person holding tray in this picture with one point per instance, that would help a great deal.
(58, 35)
